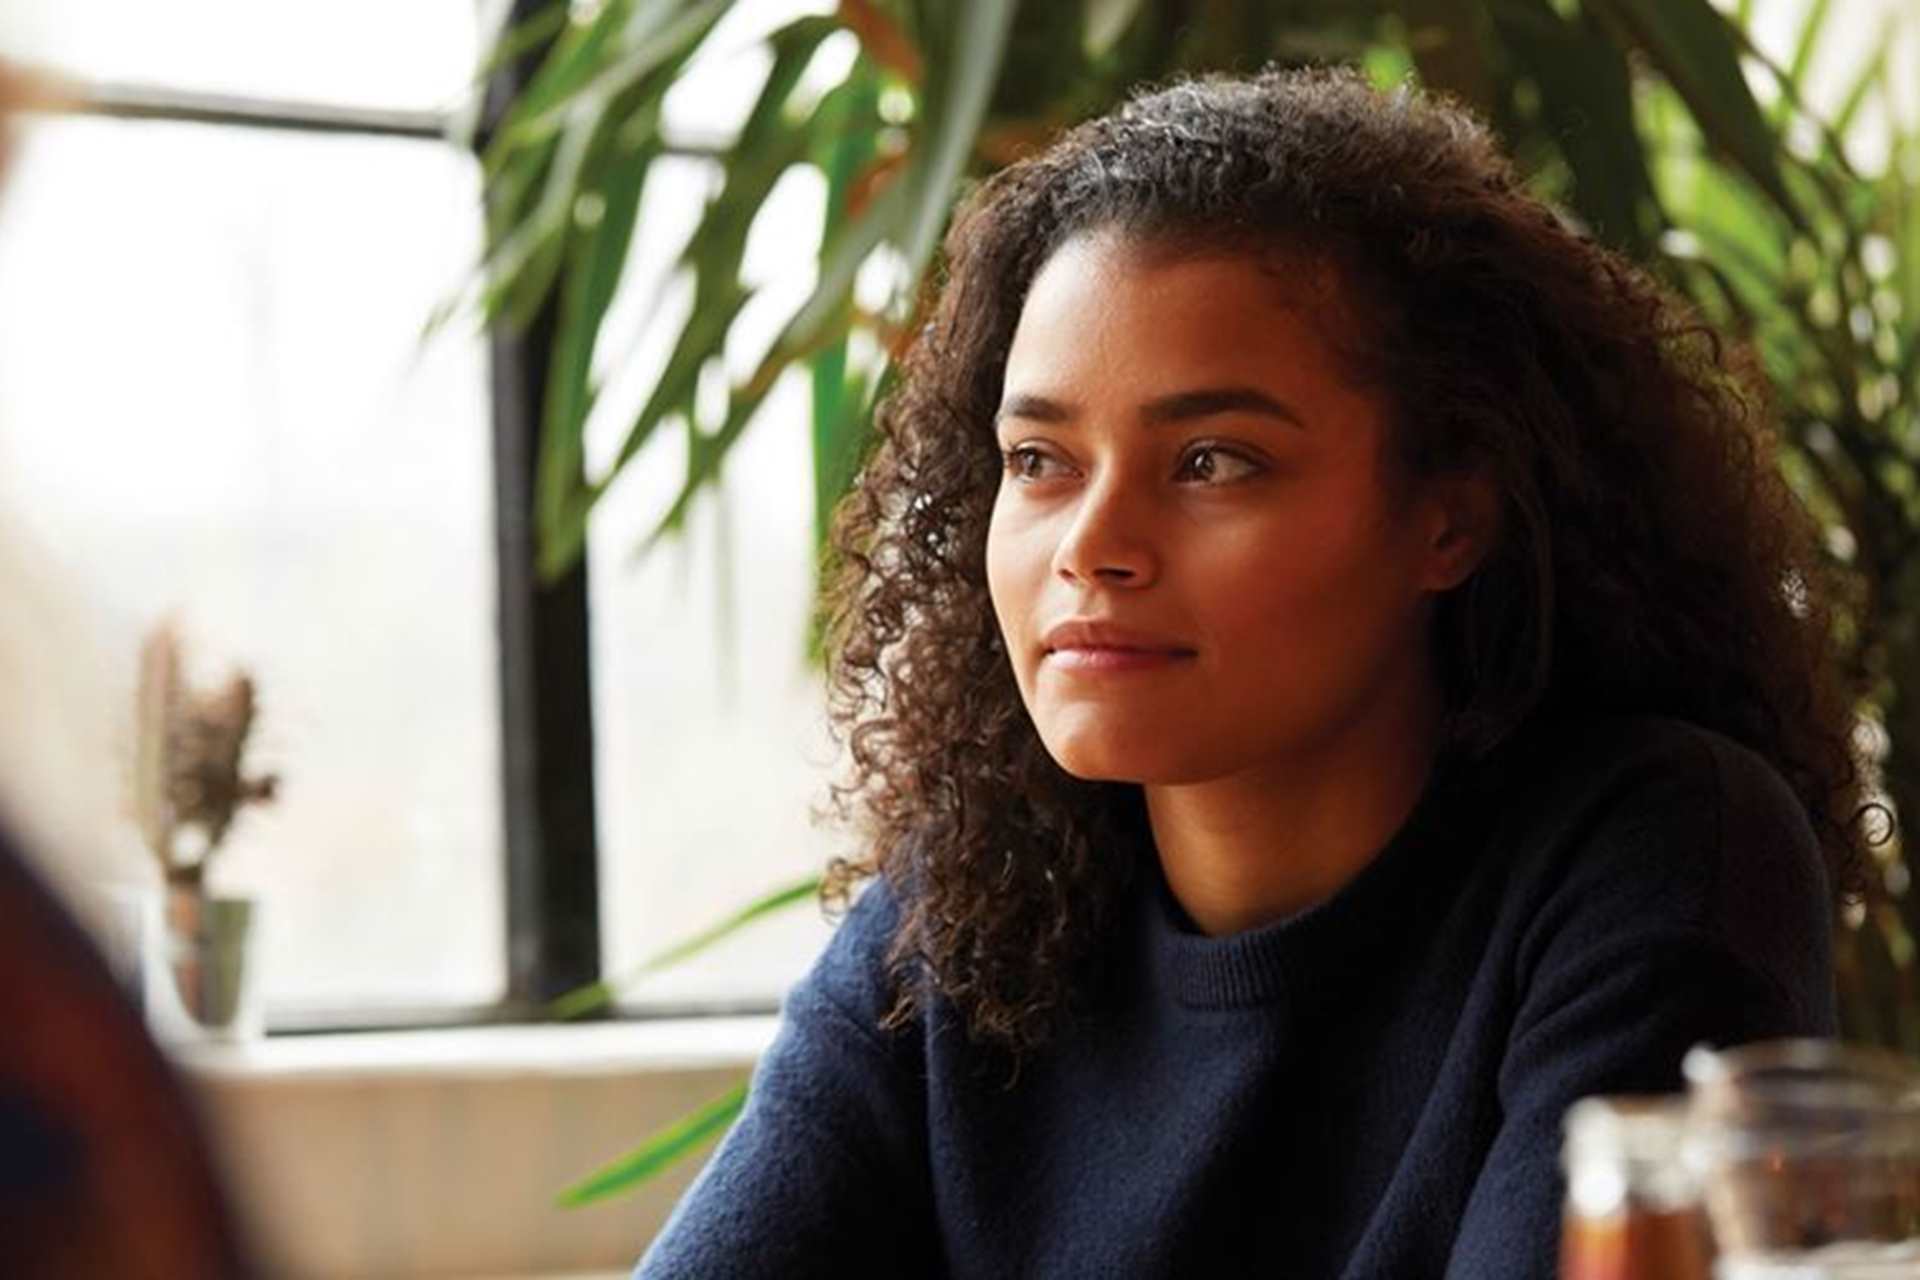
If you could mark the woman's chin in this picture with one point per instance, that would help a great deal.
(1147, 762)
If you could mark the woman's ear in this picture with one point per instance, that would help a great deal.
(1463, 525)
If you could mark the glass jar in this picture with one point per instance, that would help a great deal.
(1633, 1204)
(1808, 1155)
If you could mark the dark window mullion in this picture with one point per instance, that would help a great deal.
(127, 101)
(116, 100)
(546, 707)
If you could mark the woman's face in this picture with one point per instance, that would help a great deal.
(1188, 463)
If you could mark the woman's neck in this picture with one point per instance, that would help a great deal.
(1267, 843)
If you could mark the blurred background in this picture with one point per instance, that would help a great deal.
(476, 377)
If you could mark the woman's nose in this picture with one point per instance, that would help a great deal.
(1106, 541)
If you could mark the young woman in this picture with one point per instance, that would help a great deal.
(1333, 677)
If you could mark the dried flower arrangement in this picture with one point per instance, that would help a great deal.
(187, 770)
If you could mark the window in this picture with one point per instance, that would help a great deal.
(215, 405)
(344, 53)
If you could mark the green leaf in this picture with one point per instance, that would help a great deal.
(1690, 43)
(600, 256)
(1739, 314)
(706, 328)
(827, 383)
(522, 269)
(819, 321)
(847, 247)
(842, 410)
(767, 145)
(625, 141)
(1448, 48)
(786, 895)
(958, 91)
(573, 58)
(1586, 102)
(1905, 158)
(855, 142)
(517, 40)
(598, 994)
(1388, 66)
(1871, 75)
(708, 452)
(1106, 22)
(670, 42)
(1758, 283)
(505, 46)
(513, 189)
(1731, 217)
(1809, 39)
(528, 237)
(658, 1152)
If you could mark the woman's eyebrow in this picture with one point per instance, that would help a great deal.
(1176, 407)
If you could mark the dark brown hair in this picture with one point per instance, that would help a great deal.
(1652, 559)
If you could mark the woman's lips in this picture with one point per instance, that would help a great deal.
(1094, 646)
(1102, 659)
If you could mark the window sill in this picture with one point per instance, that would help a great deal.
(440, 1152)
(592, 1048)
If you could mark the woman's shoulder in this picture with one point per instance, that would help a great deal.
(851, 980)
(1623, 771)
(1624, 825)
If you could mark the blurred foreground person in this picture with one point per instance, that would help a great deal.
(104, 1168)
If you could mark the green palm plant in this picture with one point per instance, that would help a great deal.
(1822, 277)
(1638, 116)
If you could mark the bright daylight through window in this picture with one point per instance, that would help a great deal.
(227, 417)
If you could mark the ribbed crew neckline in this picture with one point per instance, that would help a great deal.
(1294, 959)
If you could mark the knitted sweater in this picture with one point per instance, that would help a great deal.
(1372, 1088)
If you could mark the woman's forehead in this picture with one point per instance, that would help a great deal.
(1108, 299)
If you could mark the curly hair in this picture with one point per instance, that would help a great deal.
(1651, 557)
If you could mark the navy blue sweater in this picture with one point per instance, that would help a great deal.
(1373, 1088)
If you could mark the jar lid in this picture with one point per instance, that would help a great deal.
(1624, 1150)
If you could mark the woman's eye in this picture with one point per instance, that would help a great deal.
(1210, 464)
(1025, 462)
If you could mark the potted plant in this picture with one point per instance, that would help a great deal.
(189, 784)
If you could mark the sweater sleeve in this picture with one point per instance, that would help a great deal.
(825, 1171)
(1691, 906)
